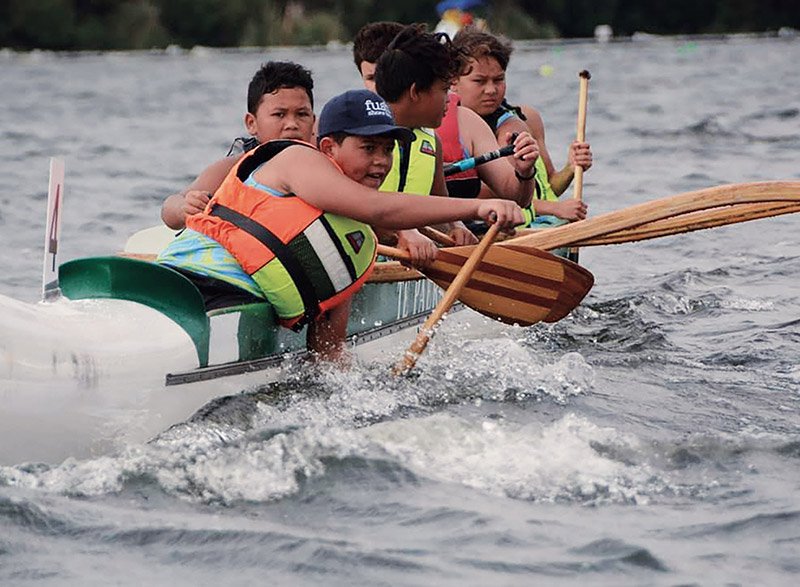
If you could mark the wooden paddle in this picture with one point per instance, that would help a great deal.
(516, 285)
(438, 236)
(583, 97)
(410, 357)
(698, 220)
(706, 208)
(446, 240)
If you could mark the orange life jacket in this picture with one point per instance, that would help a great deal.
(306, 261)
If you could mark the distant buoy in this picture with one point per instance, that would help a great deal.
(546, 70)
(603, 33)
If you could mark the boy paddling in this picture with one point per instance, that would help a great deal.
(290, 222)
(482, 88)
(413, 72)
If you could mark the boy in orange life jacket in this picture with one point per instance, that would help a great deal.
(271, 198)
(280, 105)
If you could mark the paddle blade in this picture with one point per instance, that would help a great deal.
(515, 284)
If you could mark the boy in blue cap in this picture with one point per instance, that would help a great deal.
(291, 223)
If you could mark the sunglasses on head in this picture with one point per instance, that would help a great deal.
(441, 37)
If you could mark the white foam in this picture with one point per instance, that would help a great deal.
(747, 304)
(554, 462)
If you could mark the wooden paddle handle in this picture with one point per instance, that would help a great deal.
(393, 252)
(438, 236)
(447, 241)
(409, 358)
(583, 98)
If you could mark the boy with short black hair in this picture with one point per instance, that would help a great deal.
(413, 74)
(280, 105)
(368, 45)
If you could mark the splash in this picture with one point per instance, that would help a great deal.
(555, 462)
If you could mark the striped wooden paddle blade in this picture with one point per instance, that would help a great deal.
(515, 284)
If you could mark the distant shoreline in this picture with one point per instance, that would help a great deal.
(785, 33)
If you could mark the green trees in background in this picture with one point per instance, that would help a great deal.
(143, 24)
(577, 18)
(81, 24)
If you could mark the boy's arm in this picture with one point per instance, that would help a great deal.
(195, 196)
(559, 180)
(325, 336)
(439, 187)
(567, 209)
(328, 189)
(503, 176)
(535, 126)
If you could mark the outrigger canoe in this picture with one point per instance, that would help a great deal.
(90, 368)
(244, 338)
(522, 286)
(87, 372)
(127, 349)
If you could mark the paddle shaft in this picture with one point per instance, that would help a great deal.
(469, 163)
(691, 221)
(438, 236)
(446, 240)
(695, 210)
(410, 357)
(583, 98)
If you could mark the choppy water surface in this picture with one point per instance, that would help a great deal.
(652, 437)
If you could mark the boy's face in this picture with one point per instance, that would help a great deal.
(283, 114)
(367, 69)
(366, 160)
(484, 87)
(431, 105)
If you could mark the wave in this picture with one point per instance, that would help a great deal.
(767, 128)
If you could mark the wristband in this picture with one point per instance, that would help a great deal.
(521, 178)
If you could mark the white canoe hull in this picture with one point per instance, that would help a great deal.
(81, 378)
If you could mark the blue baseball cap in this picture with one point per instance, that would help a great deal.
(362, 113)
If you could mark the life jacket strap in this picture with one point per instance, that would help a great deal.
(405, 161)
(281, 251)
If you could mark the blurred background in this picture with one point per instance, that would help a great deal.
(145, 24)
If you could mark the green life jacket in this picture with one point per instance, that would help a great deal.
(413, 166)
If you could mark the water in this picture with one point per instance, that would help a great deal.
(651, 438)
